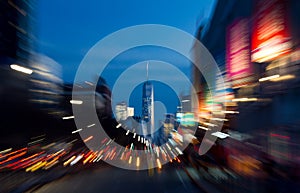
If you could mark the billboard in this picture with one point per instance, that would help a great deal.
(238, 59)
(271, 37)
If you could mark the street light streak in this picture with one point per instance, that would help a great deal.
(36, 141)
(58, 152)
(131, 146)
(178, 150)
(110, 141)
(51, 164)
(5, 151)
(76, 102)
(69, 160)
(36, 137)
(106, 155)
(157, 151)
(13, 157)
(220, 134)
(21, 69)
(284, 77)
(268, 78)
(168, 146)
(76, 131)
(158, 163)
(119, 125)
(218, 119)
(104, 140)
(49, 145)
(78, 158)
(209, 124)
(112, 155)
(184, 101)
(138, 162)
(73, 141)
(87, 159)
(172, 142)
(130, 160)
(231, 112)
(244, 99)
(91, 125)
(122, 155)
(69, 117)
(14, 152)
(89, 83)
(88, 139)
(99, 158)
(204, 128)
(38, 166)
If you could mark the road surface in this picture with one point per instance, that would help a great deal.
(111, 179)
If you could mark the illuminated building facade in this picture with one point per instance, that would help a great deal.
(256, 46)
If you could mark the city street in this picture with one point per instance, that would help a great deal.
(111, 179)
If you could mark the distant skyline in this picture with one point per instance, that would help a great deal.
(67, 30)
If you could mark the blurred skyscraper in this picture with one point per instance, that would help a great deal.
(30, 82)
(121, 111)
(17, 37)
(148, 106)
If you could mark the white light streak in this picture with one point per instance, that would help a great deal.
(69, 117)
(76, 102)
(91, 125)
(220, 134)
(268, 78)
(76, 131)
(21, 69)
(77, 159)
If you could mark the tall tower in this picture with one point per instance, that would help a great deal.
(147, 105)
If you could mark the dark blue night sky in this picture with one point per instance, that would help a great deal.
(67, 30)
